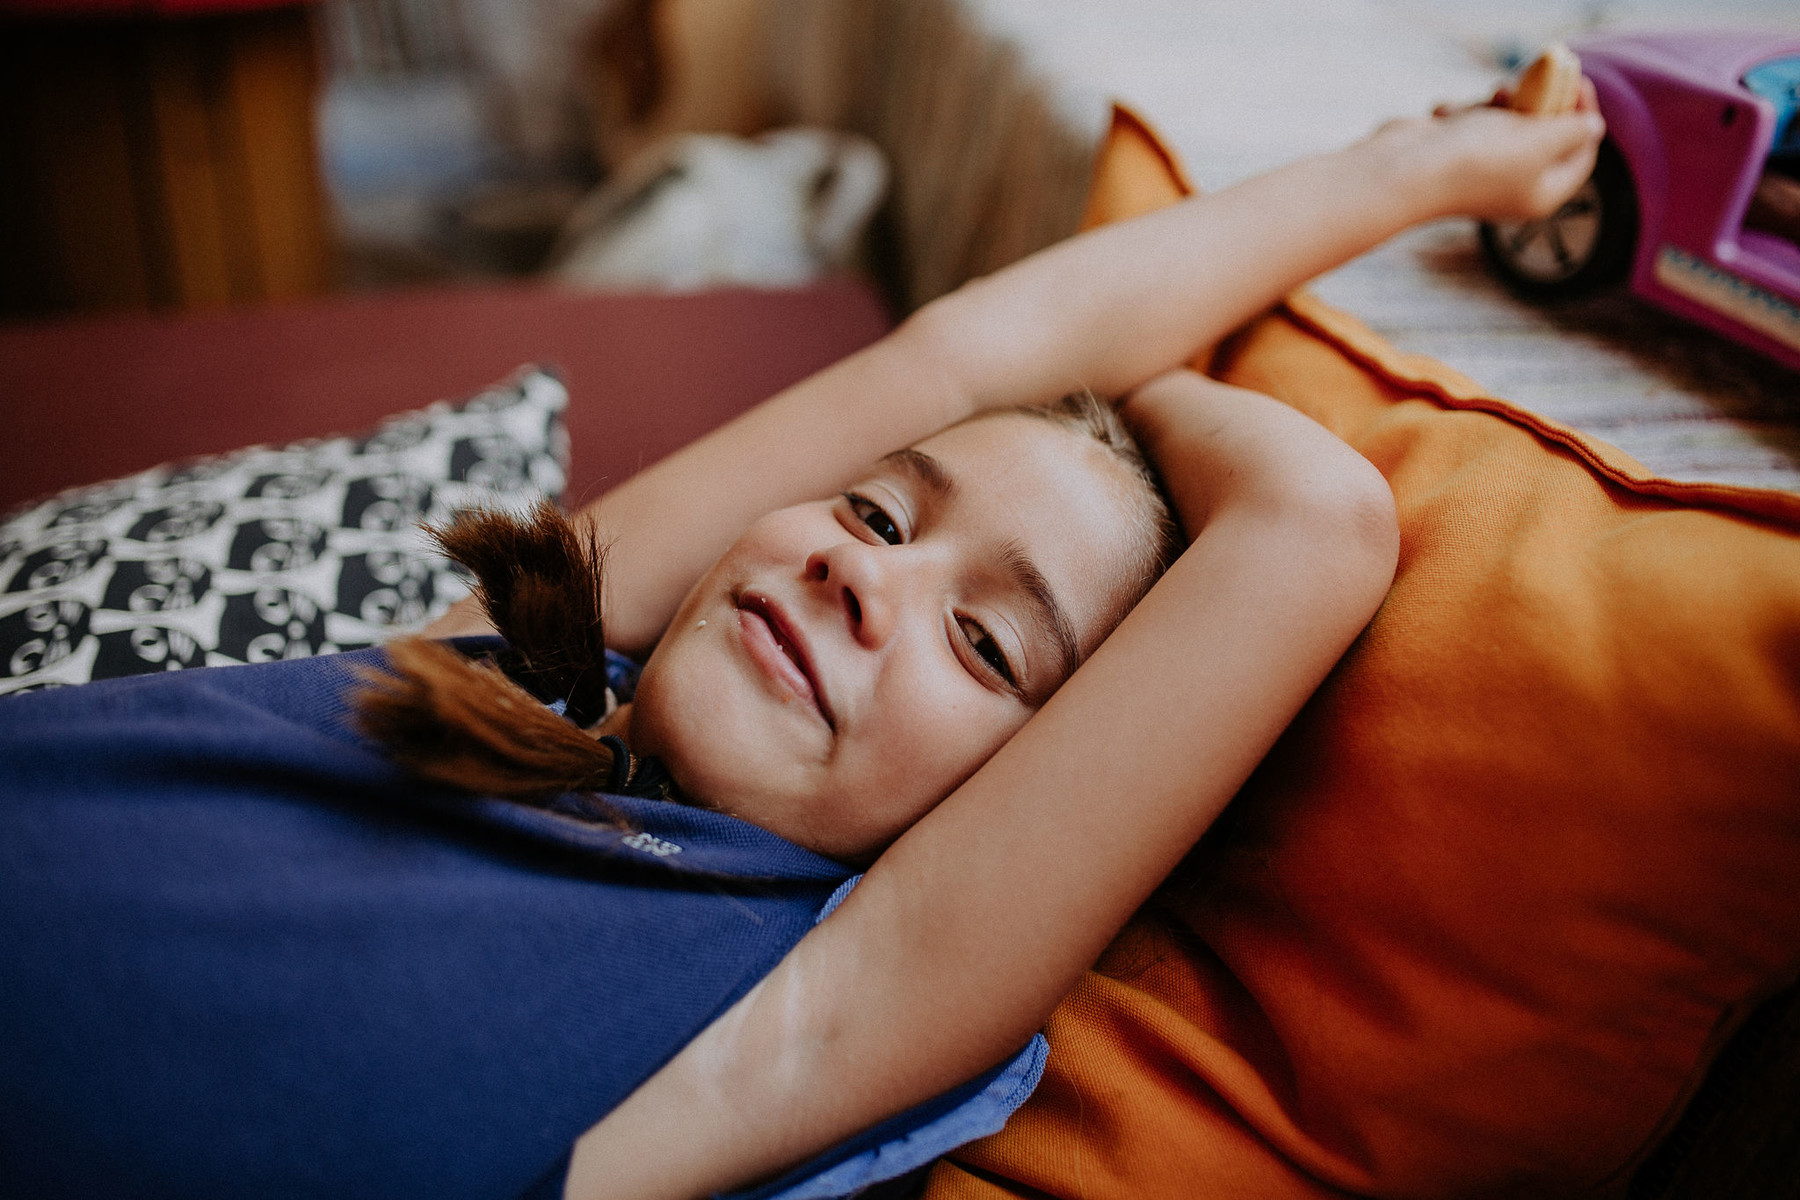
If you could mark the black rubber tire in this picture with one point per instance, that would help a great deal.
(1607, 262)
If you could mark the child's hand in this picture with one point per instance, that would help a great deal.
(1488, 162)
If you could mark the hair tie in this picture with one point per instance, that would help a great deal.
(643, 777)
(619, 778)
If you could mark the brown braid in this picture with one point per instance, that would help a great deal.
(538, 579)
(468, 724)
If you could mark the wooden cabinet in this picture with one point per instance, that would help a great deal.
(159, 161)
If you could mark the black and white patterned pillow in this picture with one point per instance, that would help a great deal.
(268, 552)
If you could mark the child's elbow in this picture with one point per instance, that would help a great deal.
(1340, 529)
(1347, 511)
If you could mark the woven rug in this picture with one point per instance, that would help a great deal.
(1681, 400)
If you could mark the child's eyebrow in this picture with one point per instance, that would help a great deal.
(1047, 613)
(924, 468)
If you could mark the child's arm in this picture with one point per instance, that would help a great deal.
(1106, 310)
(968, 930)
(1117, 306)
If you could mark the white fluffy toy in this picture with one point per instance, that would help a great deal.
(701, 210)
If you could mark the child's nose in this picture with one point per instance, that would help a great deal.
(864, 582)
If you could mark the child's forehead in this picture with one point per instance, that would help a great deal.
(1021, 479)
(1006, 433)
(1009, 450)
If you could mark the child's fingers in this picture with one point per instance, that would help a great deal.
(1589, 100)
(1589, 128)
(1569, 134)
(1575, 140)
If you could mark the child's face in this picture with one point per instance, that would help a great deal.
(849, 662)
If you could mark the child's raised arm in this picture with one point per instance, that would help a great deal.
(969, 928)
(1115, 307)
(1106, 310)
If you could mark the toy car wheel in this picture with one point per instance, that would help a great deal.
(1586, 244)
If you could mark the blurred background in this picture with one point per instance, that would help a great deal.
(171, 153)
(178, 155)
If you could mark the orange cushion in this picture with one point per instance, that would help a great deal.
(1481, 918)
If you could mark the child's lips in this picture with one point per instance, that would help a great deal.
(780, 651)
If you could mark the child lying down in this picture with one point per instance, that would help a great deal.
(489, 915)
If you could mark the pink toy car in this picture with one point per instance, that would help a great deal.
(1697, 124)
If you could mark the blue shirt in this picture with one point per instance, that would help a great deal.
(241, 953)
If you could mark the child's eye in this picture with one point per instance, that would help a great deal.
(875, 517)
(986, 648)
